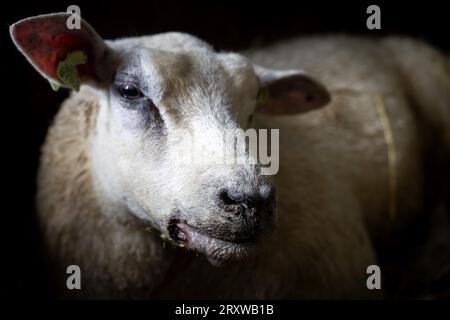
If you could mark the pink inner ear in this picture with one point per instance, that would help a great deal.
(290, 102)
(47, 42)
(294, 94)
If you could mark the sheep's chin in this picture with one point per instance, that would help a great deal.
(218, 252)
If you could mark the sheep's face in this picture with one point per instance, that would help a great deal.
(161, 110)
(167, 105)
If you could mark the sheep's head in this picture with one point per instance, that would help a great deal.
(161, 97)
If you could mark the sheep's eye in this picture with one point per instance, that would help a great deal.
(129, 91)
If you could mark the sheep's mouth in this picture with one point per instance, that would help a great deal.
(217, 250)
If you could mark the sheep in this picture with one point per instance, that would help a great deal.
(112, 200)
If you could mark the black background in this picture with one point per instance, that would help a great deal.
(28, 103)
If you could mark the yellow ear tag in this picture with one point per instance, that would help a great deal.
(263, 97)
(67, 69)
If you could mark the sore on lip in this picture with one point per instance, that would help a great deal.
(175, 232)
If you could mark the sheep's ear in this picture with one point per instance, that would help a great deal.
(289, 92)
(65, 57)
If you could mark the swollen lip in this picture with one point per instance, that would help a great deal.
(217, 251)
(183, 233)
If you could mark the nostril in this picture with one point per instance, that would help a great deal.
(235, 195)
(230, 197)
(245, 205)
(238, 204)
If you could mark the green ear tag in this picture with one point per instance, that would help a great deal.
(54, 86)
(263, 97)
(67, 69)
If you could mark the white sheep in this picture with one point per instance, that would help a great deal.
(350, 169)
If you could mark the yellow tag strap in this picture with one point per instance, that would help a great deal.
(390, 144)
(391, 154)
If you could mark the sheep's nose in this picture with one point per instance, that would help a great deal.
(245, 206)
